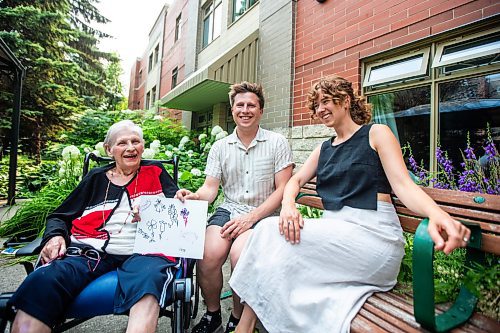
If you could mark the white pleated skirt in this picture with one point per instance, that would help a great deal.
(320, 284)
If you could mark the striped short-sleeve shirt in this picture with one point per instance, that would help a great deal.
(247, 174)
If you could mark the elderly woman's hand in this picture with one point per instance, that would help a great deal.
(53, 249)
(290, 223)
(184, 195)
(447, 233)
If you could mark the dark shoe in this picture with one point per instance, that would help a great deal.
(231, 326)
(209, 323)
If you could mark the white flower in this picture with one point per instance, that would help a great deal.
(202, 136)
(70, 152)
(184, 140)
(169, 154)
(87, 150)
(100, 147)
(148, 153)
(220, 135)
(176, 150)
(62, 172)
(97, 153)
(158, 117)
(155, 145)
(189, 153)
(207, 147)
(195, 172)
(216, 130)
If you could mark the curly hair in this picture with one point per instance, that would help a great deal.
(244, 87)
(338, 89)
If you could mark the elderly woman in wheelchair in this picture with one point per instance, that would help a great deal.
(92, 232)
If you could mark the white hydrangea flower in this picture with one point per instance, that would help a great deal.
(207, 147)
(220, 135)
(62, 172)
(155, 145)
(189, 153)
(216, 130)
(195, 172)
(70, 152)
(87, 150)
(169, 154)
(97, 153)
(202, 136)
(184, 140)
(148, 153)
(176, 150)
(158, 117)
(100, 147)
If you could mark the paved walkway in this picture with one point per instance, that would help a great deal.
(12, 275)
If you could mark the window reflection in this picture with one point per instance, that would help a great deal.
(467, 106)
(407, 113)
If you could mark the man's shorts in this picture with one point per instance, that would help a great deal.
(220, 217)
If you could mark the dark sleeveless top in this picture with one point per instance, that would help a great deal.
(350, 174)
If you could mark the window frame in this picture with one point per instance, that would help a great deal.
(212, 6)
(413, 75)
(440, 48)
(433, 79)
(178, 27)
(175, 74)
(248, 6)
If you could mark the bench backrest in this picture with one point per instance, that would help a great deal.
(479, 208)
(103, 160)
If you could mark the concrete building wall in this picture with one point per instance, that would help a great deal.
(275, 63)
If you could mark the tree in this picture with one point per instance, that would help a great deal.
(65, 74)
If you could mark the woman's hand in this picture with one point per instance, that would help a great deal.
(447, 233)
(237, 226)
(290, 223)
(184, 195)
(53, 249)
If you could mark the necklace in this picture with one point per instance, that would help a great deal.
(134, 211)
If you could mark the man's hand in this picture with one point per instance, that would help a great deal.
(448, 234)
(237, 226)
(53, 249)
(290, 223)
(184, 195)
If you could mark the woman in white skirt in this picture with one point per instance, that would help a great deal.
(300, 275)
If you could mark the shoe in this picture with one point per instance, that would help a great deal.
(209, 323)
(231, 326)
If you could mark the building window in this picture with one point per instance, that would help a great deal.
(402, 68)
(175, 72)
(150, 62)
(212, 21)
(467, 52)
(156, 53)
(202, 121)
(178, 28)
(153, 96)
(148, 96)
(241, 6)
(454, 101)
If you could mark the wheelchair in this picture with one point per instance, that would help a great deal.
(98, 297)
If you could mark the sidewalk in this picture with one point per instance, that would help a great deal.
(12, 275)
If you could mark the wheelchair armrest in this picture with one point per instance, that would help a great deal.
(30, 249)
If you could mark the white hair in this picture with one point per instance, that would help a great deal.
(119, 126)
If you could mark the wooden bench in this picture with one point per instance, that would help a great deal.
(395, 311)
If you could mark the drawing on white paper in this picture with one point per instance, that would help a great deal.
(171, 227)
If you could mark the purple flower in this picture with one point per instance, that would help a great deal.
(469, 153)
(490, 150)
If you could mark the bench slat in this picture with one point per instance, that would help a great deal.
(464, 199)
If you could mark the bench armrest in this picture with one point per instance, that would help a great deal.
(423, 282)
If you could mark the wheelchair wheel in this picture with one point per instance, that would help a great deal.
(196, 302)
(5, 325)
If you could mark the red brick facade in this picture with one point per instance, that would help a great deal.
(137, 84)
(332, 37)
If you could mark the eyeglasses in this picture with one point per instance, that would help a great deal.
(91, 255)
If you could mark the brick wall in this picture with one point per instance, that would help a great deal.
(332, 37)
